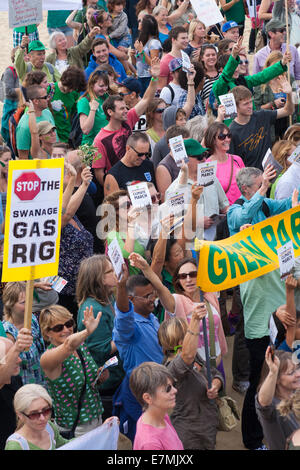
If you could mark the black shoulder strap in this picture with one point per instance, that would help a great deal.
(172, 92)
(264, 207)
(80, 401)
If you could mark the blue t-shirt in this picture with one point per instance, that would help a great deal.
(162, 37)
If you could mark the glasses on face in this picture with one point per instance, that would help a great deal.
(35, 415)
(223, 136)
(155, 197)
(125, 94)
(100, 72)
(282, 30)
(142, 154)
(146, 297)
(42, 97)
(191, 274)
(244, 62)
(60, 326)
(160, 110)
(169, 387)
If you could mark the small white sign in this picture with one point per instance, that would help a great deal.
(113, 361)
(139, 195)
(273, 330)
(57, 282)
(178, 150)
(116, 257)
(176, 201)
(206, 173)
(295, 156)
(270, 160)
(207, 11)
(286, 259)
(186, 63)
(228, 101)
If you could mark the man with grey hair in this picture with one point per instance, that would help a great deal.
(261, 296)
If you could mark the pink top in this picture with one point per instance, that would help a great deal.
(111, 145)
(164, 67)
(148, 437)
(184, 307)
(223, 175)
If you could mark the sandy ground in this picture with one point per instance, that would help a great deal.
(225, 440)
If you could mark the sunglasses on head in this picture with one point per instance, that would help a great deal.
(36, 414)
(191, 274)
(142, 154)
(60, 326)
(223, 136)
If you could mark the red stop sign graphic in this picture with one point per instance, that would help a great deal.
(27, 186)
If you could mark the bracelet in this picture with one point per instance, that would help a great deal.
(28, 112)
(192, 333)
(191, 84)
(154, 79)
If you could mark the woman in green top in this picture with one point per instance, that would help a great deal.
(119, 223)
(33, 407)
(89, 106)
(96, 283)
(66, 377)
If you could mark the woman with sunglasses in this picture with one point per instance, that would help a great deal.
(71, 372)
(35, 431)
(217, 139)
(89, 106)
(153, 387)
(119, 218)
(195, 416)
(154, 118)
(186, 297)
(95, 288)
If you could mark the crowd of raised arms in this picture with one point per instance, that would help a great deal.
(110, 89)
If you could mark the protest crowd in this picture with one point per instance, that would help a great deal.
(174, 134)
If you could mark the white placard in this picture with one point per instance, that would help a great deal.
(286, 259)
(50, 5)
(24, 12)
(273, 330)
(116, 257)
(139, 195)
(252, 8)
(178, 150)
(186, 63)
(176, 201)
(295, 155)
(207, 11)
(112, 362)
(270, 160)
(230, 105)
(57, 282)
(206, 173)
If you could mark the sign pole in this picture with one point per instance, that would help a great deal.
(28, 304)
(288, 46)
(207, 357)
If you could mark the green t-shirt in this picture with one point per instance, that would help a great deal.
(57, 18)
(99, 342)
(23, 132)
(55, 444)
(83, 106)
(31, 28)
(236, 12)
(64, 107)
(138, 248)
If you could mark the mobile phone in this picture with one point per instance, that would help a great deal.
(272, 351)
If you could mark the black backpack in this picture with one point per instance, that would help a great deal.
(222, 231)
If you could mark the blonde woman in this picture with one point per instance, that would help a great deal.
(96, 284)
(35, 431)
(293, 134)
(89, 106)
(270, 96)
(197, 37)
(281, 150)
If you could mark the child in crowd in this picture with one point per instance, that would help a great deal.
(119, 32)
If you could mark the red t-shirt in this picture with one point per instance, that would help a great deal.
(164, 67)
(111, 145)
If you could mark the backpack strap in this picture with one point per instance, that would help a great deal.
(20, 440)
(264, 207)
(172, 92)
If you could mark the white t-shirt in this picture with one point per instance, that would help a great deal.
(166, 94)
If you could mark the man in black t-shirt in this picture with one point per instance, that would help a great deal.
(251, 136)
(134, 166)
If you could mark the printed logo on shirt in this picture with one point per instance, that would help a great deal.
(148, 176)
(253, 140)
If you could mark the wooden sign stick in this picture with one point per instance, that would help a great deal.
(28, 304)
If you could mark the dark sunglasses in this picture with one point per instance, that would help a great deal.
(42, 98)
(191, 274)
(281, 30)
(169, 388)
(60, 326)
(160, 110)
(35, 415)
(142, 154)
(223, 136)
(125, 94)
(246, 62)
(100, 72)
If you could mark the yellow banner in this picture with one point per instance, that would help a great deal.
(32, 219)
(248, 254)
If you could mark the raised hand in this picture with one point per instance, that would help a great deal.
(89, 321)
(138, 261)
